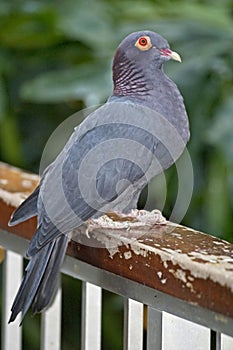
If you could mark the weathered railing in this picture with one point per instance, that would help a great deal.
(182, 275)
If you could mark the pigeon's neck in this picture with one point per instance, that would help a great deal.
(129, 79)
(149, 87)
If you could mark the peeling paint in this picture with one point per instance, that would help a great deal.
(211, 258)
(28, 176)
(27, 183)
(13, 199)
(188, 266)
(160, 275)
(4, 181)
(218, 242)
(180, 274)
(177, 235)
(127, 255)
(190, 278)
(138, 250)
(190, 286)
(226, 250)
(218, 273)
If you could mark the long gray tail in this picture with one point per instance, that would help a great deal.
(40, 281)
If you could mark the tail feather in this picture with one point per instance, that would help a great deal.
(26, 210)
(49, 281)
(41, 277)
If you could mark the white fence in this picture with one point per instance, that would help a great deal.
(172, 324)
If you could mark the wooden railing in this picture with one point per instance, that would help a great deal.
(172, 269)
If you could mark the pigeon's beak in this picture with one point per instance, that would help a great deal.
(172, 54)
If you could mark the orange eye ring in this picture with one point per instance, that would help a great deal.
(143, 43)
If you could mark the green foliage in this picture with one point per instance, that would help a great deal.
(55, 58)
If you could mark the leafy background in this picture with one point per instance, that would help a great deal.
(55, 59)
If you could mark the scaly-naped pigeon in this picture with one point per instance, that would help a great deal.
(140, 131)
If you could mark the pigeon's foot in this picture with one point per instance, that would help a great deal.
(136, 218)
(115, 228)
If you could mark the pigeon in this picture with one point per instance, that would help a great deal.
(110, 157)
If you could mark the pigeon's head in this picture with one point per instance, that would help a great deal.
(137, 59)
(147, 47)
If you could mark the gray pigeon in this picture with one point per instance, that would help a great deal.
(141, 130)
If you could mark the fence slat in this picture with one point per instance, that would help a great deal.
(226, 342)
(215, 340)
(51, 325)
(154, 329)
(179, 334)
(13, 269)
(133, 325)
(91, 316)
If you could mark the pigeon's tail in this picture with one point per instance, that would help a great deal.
(26, 210)
(40, 280)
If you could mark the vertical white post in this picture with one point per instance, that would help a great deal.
(215, 340)
(227, 342)
(133, 325)
(154, 329)
(51, 325)
(12, 276)
(179, 333)
(91, 316)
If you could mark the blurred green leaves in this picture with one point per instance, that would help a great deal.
(30, 27)
(81, 83)
(3, 99)
(220, 134)
(87, 21)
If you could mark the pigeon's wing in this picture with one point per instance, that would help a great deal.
(112, 155)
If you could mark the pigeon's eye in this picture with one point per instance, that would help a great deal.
(143, 43)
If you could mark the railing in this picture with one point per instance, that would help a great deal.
(183, 276)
